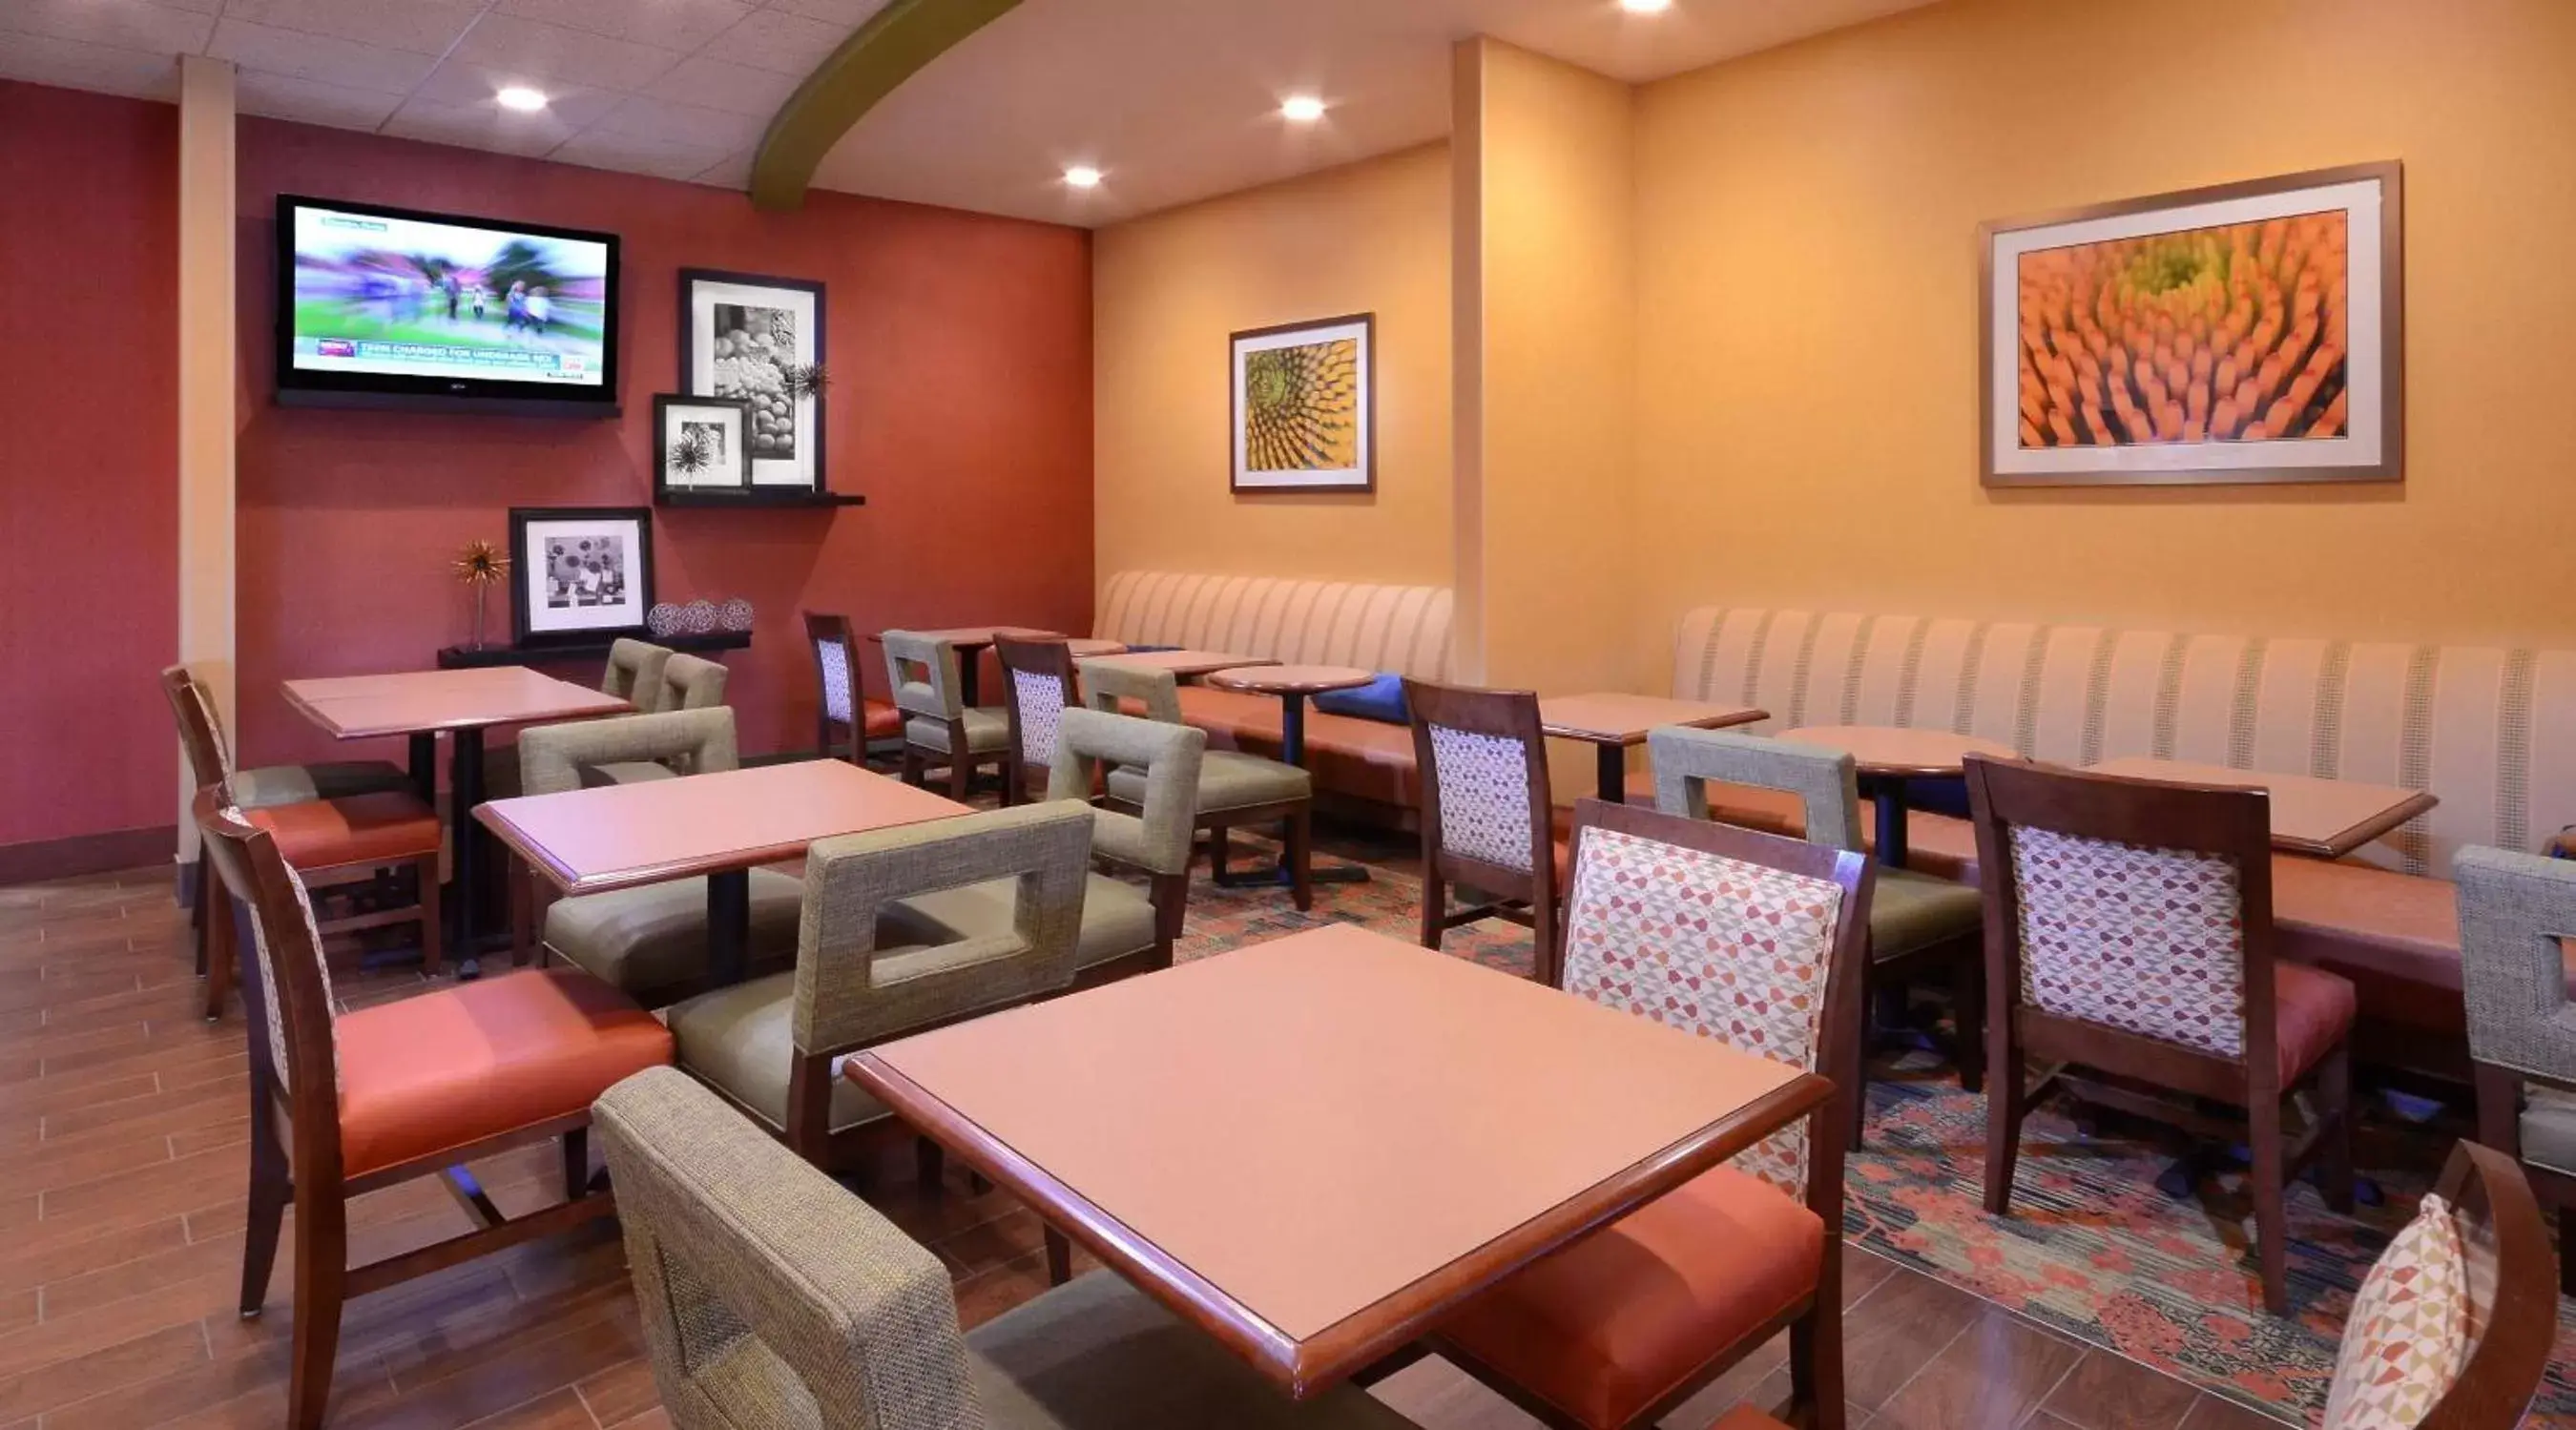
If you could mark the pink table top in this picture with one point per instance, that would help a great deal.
(353, 707)
(2327, 818)
(1185, 663)
(1290, 679)
(1615, 719)
(1898, 752)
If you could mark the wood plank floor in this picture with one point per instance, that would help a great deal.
(123, 1119)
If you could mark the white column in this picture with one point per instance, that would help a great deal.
(206, 402)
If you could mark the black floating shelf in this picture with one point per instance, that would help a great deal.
(457, 657)
(757, 499)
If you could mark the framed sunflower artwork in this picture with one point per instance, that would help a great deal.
(1305, 407)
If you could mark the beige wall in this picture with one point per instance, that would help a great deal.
(1166, 292)
(1807, 347)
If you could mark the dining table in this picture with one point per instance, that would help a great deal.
(1886, 756)
(720, 825)
(2312, 815)
(1293, 685)
(1614, 723)
(1278, 1143)
(462, 704)
(1188, 664)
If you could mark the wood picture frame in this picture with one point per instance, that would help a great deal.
(740, 333)
(1303, 409)
(723, 421)
(2154, 341)
(581, 574)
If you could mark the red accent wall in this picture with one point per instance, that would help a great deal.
(89, 436)
(960, 347)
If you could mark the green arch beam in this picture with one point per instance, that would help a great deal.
(890, 48)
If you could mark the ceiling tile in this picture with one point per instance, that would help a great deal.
(772, 40)
(318, 57)
(426, 26)
(681, 25)
(848, 13)
(41, 59)
(460, 85)
(733, 173)
(311, 101)
(552, 52)
(640, 156)
(643, 118)
(478, 126)
(720, 84)
(128, 24)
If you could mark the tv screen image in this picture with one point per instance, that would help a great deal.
(388, 301)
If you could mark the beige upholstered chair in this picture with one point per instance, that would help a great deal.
(773, 1297)
(2516, 913)
(939, 729)
(861, 977)
(634, 674)
(1234, 788)
(692, 683)
(649, 941)
(1124, 930)
(1915, 920)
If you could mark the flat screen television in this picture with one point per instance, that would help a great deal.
(383, 306)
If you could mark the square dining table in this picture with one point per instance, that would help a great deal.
(2327, 818)
(722, 826)
(1613, 724)
(1313, 1148)
(421, 705)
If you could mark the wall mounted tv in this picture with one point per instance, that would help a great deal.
(390, 307)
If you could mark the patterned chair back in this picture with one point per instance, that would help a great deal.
(1040, 678)
(836, 665)
(555, 758)
(770, 1295)
(2137, 905)
(1157, 838)
(2516, 913)
(1686, 761)
(924, 674)
(288, 991)
(1484, 784)
(1749, 938)
(634, 674)
(1108, 683)
(692, 683)
(201, 730)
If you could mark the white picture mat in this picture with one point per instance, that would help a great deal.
(1357, 474)
(704, 295)
(2365, 368)
(543, 618)
(726, 474)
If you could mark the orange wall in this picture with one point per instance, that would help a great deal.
(1807, 347)
(1167, 291)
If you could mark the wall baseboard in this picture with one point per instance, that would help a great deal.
(41, 859)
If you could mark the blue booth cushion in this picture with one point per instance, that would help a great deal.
(1381, 699)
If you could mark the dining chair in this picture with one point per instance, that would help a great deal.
(342, 1104)
(861, 976)
(1039, 680)
(940, 729)
(1235, 789)
(2517, 912)
(649, 941)
(692, 683)
(634, 673)
(369, 844)
(848, 722)
(1755, 940)
(772, 1296)
(1916, 921)
(1487, 816)
(2129, 933)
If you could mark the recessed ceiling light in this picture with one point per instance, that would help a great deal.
(1082, 176)
(1302, 108)
(1645, 7)
(521, 98)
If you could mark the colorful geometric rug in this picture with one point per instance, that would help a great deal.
(2092, 1249)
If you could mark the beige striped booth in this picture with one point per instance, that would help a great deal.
(1362, 767)
(2458, 721)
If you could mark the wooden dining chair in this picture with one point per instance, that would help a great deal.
(848, 722)
(1755, 940)
(1039, 682)
(1235, 790)
(2516, 913)
(1917, 922)
(342, 1104)
(940, 730)
(2130, 948)
(1487, 815)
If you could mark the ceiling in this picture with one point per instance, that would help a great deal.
(1173, 100)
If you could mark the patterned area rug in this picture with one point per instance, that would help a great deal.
(2092, 1249)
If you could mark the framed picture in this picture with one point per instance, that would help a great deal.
(757, 339)
(699, 445)
(1305, 407)
(583, 573)
(2246, 333)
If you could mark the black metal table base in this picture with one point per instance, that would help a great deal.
(1610, 770)
(472, 894)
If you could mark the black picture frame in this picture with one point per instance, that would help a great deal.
(814, 479)
(738, 456)
(528, 567)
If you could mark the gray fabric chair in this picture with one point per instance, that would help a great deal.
(692, 683)
(772, 1297)
(1915, 920)
(1234, 788)
(2517, 912)
(650, 942)
(634, 674)
(1124, 930)
(864, 974)
(940, 731)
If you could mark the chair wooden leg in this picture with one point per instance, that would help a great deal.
(1059, 1258)
(2005, 1095)
(961, 772)
(1859, 1100)
(433, 938)
(2334, 1158)
(219, 956)
(1968, 1000)
(929, 1163)
(2271, 1227)
(1816, 1361)
(1013, 790)
(2566, 1238)
(576, 1163)
(270, 1191)
(197, 898)
(321, 1285)
(1216, 838)
(1301, 859)
(1435, 904)
(912, 772)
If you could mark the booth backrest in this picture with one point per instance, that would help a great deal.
(1404, 629)
(2491, 732)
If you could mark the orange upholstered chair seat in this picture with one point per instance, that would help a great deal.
(476, 1060)
(2313, 1010)
(359, 829)
(880, 720)
(1610, 1325)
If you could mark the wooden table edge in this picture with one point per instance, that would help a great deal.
(537, 857)
(1215, 679)
(1304, 1369)
(1721, 721)
(2344, 841)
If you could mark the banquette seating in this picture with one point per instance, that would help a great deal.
(2466, 723)
(1362, 767)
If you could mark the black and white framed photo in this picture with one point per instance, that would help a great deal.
(583, 573)
(760, 340)
(700, 445)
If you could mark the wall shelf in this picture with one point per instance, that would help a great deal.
(456, 657)
(756, 499)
